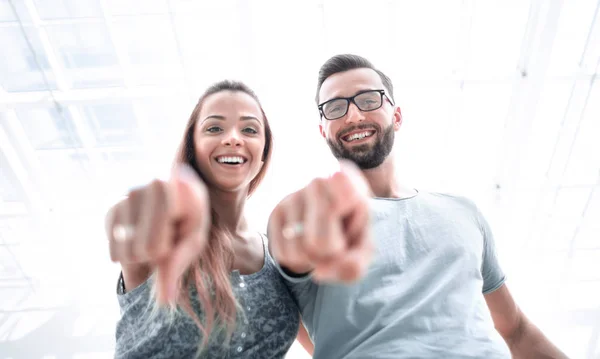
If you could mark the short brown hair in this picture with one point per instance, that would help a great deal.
(345, 62)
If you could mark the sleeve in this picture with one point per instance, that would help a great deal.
(132, 297)
(303, 290)
(147, 331)
(493, 276)
(131, 329)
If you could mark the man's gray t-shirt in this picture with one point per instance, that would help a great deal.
(422, 295)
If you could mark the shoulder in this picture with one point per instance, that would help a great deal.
(458, 205)
(450, 199)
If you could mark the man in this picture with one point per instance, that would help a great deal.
(434, 287)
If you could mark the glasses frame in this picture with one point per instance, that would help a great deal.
(351, 99)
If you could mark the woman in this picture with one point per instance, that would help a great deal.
(185, 243)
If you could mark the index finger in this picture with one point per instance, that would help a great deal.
(347, 190)
(191, 235)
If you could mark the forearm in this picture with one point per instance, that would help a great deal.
(304, 340)
(529, 342)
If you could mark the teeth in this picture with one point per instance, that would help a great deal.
(358, 136)
(233, 159)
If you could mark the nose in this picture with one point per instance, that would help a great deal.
(233, 139)
(354, 115)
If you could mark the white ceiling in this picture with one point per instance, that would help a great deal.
(500, 103)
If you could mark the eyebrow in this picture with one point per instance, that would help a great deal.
(222, 118)
(337, 95)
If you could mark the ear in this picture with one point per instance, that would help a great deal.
(397, 118)
(322, 131)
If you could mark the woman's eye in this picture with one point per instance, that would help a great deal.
(250, 130)
(213, 129)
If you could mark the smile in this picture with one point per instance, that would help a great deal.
(358, 135)
(231, 160)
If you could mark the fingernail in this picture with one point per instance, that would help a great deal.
(135, 187)
(355, 175)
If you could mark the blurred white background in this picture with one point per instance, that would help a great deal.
(500, 103)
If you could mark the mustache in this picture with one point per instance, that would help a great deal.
(362, 126)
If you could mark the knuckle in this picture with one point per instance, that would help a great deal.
(141, 248)
(292, 200)
(156, 184)
(135, 194)
(339, 179)
(350, 271)
(121, 207)
(313, 253)
(159, 189)
(135, 197)
(152, 250)
(155, 249)
(320, 184)
(318, 247)
(319, 181)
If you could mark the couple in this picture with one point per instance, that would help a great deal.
(372, 268)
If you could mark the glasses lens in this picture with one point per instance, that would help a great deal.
(335, 109)
(368, 101)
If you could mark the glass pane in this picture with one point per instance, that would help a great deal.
(149, 44)
(545, 128)
(588, 235)
(67, 174)
(492, 52)
(147, 40)
(7, 14)
(576, 18)
(68, 9)
(570, 202)
(136, 7)
(20, 69)
(556, 234)
(584, 161)
(122, 170)
(569, 122)
(17, 326)
(585, 265)
(46, 128)
(113, 124)
(573, 298)
(438, 34)
(593, 209)
(198, 17)
(164, 121)
(479, 101)
(165, 117)
(18, 229)
(13, 296)
(10, 190)
(9, 268)
(87, 54)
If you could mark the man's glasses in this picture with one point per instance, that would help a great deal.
(365, 101)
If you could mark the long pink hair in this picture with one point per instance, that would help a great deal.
(210, 274)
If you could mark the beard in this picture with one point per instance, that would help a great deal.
(366, 156)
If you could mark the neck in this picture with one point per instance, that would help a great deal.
(384, 182)
(230, 209)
